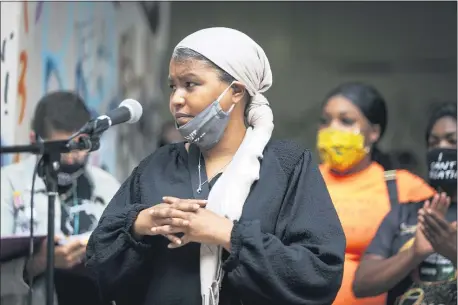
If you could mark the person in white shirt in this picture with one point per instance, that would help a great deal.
(84, 191)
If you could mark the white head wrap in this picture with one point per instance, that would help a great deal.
(245, 60)
(240, 56)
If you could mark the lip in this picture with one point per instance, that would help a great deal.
(182, 118)
(180, 115)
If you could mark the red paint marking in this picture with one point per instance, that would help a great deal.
(17, 158)
(21, 88)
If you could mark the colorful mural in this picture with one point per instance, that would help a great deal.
(69, 45)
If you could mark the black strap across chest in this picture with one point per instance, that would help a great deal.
(391, 183)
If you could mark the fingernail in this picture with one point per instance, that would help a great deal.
(153, 229)
(195, 206)
(179, 241)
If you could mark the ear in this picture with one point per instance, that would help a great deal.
(32, 137)
(374, 133)
(238, 92)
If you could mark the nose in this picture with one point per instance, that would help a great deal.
(73, 157)
(444, 143)
(335, 124)
(177, 99)
(68, 158)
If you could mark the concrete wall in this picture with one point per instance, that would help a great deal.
(99, 49)
(406, 49)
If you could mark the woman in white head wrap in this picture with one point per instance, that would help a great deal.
(229, 217)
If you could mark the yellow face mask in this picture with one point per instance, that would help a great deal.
(341, 150)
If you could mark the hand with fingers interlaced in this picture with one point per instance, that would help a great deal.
(187, 216)
(202, 226)
(171, 218)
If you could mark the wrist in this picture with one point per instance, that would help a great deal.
(416, 256)
(135, 230)
(137, 236)
(224, 234)
(35, 266)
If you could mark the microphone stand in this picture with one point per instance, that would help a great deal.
(48, 168)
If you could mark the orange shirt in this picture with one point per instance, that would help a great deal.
(362, 201)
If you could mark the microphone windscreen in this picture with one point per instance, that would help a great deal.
(135, 108)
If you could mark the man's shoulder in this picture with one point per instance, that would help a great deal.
(18, 168)
(99, 174)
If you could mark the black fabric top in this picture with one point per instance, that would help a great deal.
(434, 280)
(287, 248)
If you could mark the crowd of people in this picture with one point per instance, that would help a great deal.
(222, 214)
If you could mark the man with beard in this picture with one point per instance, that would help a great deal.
(84, 191)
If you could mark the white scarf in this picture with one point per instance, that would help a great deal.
(245, 60)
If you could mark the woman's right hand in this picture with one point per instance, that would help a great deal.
(422, 247)
(172, 215)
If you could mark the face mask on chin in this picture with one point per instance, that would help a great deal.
(341, 150)
(442, 169)
(207, 128)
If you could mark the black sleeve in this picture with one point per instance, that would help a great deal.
(305, 266)
(382, 242)
(114, 257)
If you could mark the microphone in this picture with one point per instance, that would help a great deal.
(129, 111)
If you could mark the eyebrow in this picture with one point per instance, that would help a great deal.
(445, 134)
(185, 75)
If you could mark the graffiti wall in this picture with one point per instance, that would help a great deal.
(8, 76)
(73, 45)
(142, 65)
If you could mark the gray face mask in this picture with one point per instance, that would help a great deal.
(206, 129)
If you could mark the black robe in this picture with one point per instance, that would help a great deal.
(287, 248)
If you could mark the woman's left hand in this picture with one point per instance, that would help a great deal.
(204, 227)
(441, 234)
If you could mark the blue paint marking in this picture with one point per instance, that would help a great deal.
(50, 69)
(52, 60)
(101, 50)
(104, 50)
(5, 159)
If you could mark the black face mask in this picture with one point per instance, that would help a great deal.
(68, 173)
(442, 169)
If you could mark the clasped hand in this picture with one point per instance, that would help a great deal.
(187, 216)
(439, 233)
(65, 257)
